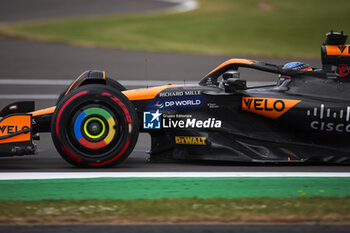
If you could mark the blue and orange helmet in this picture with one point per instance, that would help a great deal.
(296, 65)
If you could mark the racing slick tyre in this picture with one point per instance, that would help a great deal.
(109, 82)
(94, 126)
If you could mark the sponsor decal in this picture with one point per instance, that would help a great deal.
(342, 70)
(187, 140)
(159, 104)
(186, 102)
(213, 105)
(338, 50)
(152, 120)
(177, 116)
(330, 126)
(329, 120)
(342, 49)
(13, 124)
(191, 123)
(8, 129)
(268, 107)
(179, 93)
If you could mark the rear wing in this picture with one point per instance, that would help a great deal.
(334, 52)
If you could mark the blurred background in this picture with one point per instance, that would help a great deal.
(46, 44)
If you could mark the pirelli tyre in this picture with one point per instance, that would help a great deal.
(94, 126)
(109, 82)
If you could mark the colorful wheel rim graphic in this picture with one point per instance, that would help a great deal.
(94, 128)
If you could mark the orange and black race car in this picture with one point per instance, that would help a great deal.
(96, 121)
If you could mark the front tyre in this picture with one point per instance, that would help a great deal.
(94, 126)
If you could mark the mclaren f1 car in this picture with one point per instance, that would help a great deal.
(96, 121)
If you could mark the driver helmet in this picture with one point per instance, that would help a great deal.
(296, 65)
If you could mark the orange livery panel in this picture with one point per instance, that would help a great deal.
(146, 93)
(268, 107)
(12, 125)
(340, 50)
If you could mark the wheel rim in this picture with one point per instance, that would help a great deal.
(94, 127)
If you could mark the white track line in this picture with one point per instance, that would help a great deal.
(28, 97)
(67, 175)
(130, 83)
(45, 82)
(63, 82)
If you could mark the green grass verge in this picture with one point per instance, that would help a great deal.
(315, 209)
(174, 187)
(232, 27)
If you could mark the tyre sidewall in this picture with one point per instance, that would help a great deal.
(105, 97)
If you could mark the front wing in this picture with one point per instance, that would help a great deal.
(16, 135)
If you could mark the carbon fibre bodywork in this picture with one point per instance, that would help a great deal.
(293, 122)
(307, 118)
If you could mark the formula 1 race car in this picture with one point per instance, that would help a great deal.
(96, 121)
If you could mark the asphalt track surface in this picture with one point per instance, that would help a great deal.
(24, 10)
